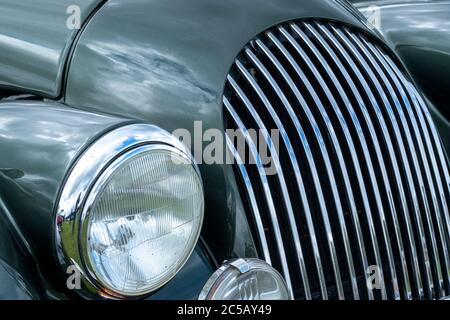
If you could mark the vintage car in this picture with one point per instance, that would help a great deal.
(233, 149)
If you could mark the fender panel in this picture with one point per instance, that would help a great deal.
(18, 276)
(39, 142)
(35, 43)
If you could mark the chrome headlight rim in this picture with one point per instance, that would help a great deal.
(93, 196)
(235, 268)
(91, 166)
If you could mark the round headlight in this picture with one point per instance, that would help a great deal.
(140, 218)
(245, 279)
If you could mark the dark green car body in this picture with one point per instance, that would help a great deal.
(153, 61)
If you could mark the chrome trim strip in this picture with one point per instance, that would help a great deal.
(253, 201)
(261, 171)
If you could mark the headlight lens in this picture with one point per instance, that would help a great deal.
(143, 218)
(130, 212)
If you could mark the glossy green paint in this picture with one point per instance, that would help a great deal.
(18, 276)
(35, 42)
(39, 143)
(188, 283)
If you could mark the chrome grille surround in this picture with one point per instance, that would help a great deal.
(362, 178)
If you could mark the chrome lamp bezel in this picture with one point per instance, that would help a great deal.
(241, 266)
(106, 153)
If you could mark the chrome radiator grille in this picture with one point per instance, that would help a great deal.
(362, 179)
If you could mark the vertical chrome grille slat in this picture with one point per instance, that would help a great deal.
(265, 184)
(347, 135)
(347, 77)
(420, 143)
(387, 139)
(251, 194)
(437, 144)
(428, 144)
(380, 117)
(403, 154)
(292, 113)
(358, 128)
(402, 116)
(318, 260)
(374, 138)
(325, 157)
(435, 135)
(379, 156)
(350, 120)
(280, 174)
(407, 289)
(421, 110)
